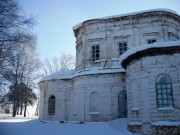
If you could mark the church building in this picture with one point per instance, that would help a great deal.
(126, 66)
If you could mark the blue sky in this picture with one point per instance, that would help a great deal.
(55, 18)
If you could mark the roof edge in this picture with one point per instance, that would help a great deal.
(77, 26)
(148, 49)
(82, 73)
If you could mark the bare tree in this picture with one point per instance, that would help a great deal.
(18, 60)
(29, 99)
(14, 28)
(67, 61)
(3, 90)
(21, 95)
(62, 62)
(23, 67)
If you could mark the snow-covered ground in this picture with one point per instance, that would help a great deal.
(31, 126)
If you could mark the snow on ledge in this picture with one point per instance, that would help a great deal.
(134, 123)
(135, 109)
(127, 14)
(62, 74)
(114, 59)
(166, 123)
(165, 109)
(94, 71)
(94, 113)
(69, 74)
(147, 46)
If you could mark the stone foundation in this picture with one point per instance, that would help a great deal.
(155, 129)
(136, 129)
(165, 130)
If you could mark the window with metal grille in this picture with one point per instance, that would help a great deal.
(95, 52)
(51, 105)
(122, 47)
(164, 92)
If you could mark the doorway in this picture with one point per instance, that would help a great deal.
(122, 104)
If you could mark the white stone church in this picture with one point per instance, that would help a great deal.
(126, 66)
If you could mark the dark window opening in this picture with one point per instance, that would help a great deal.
(51, 105)
(152, 41)
(122, 47)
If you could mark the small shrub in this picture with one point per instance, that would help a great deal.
(81, 122)
(7, 111)
(43, 121)
(61, 121)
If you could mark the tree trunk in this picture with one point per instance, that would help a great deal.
(25, 109)
(17, 112)
(14, 108)
(15, 102)
(21, 108)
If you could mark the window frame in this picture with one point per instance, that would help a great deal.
(164, 93)
(95, 52)
(94, 102)
(51, 105)
(122, 48)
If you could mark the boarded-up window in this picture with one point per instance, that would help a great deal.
(94, 102)
(75, 109)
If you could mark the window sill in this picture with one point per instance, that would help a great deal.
(51, 114)
(103, 60)
(94, 113)
(135, 109)
(166, 109)
(97, 61)
(114, 59)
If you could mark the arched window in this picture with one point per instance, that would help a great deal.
(51, 105)
(94, 102)
(164, 92)
(75, 103)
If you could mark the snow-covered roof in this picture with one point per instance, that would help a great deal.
(141, 48)
(128, 14)
(69, 74)
(94, 71)
(63, 74)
